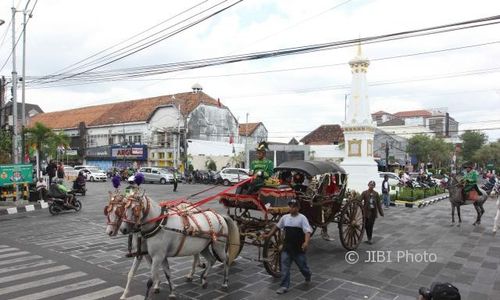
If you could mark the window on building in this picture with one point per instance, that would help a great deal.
(162, 155)
(137, 139)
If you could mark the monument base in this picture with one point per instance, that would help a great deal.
(360, 172)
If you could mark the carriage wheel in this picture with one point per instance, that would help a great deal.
(272, 254)
(351, 225)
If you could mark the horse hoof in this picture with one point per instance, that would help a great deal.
(156, 291)
(202, 265)
(224, 288)
(204, 285)
(189, 279)
(172, 296)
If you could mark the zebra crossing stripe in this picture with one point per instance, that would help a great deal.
(136, 297)
(99, 294)
(8, 249)
(33, 273)
(27, 266)
(4, 246)
(14, 254)
(17, 260)
(41, 282)
(62, 290)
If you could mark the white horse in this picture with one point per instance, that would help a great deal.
(114, 212)
(496, 222)
(178, 231)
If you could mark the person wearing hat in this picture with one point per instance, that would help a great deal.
(372, 207)
(297, 236)
(261, 168)
(439, 291)
(470, 181)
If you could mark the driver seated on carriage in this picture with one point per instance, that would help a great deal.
(261, 169)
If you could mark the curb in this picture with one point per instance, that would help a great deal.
(23, 208)
(421, 203)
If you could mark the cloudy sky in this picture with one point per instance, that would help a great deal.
(291, 95)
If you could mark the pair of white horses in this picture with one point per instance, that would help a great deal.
(172, 231)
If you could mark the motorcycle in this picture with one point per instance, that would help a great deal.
(56, 205)
(79, 188)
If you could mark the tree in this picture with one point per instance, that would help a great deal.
(440, 152)
(419, 146)
(45, 140)
(488, 154)
(5, 147)
(210, 164)
(472, 141)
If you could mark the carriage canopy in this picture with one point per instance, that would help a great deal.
(310, 167)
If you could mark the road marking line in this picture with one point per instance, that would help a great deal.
(61, 290)
(41, 282)
(136, 297)
(33, 273)
(8, 249)
(99, 294)
(26, 266)
(16, 260)
(14, 254)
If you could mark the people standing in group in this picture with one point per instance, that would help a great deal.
(60, 170)
(385, 191)
(372, 207)
(51, 171)
(297, 236)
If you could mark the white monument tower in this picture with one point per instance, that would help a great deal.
(359, 130)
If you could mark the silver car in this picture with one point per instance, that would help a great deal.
(156, 175)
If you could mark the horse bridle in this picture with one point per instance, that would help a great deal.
(139, 211)
(117, 204)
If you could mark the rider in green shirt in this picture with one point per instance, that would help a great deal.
(261, 168)
(470, 180)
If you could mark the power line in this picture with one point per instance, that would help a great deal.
(128, 39)
(144, 45)
(172, 67)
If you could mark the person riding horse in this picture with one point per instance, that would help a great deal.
(470, 181)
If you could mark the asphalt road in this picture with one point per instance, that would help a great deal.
(69, 256)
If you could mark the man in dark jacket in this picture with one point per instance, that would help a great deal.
(51, 171)
(371, 208)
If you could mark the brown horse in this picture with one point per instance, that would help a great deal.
(455, 189)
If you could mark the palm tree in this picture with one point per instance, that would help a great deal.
(45, 140)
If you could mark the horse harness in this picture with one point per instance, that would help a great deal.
(188, 214)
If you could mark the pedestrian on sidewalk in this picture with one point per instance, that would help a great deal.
(371, 207)
(60, 171)
(51, 171)
(175, 180)
(385, 191)
(297, 236)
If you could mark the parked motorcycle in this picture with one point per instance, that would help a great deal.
(56, 205)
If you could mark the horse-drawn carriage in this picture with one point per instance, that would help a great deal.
(322, 201)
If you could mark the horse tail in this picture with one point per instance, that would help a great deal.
(233, 239)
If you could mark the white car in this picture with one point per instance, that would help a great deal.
(158, 175)
(94, 174)
(233, 175)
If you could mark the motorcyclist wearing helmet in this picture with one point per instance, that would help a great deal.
(59, 190)
(80, 181)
